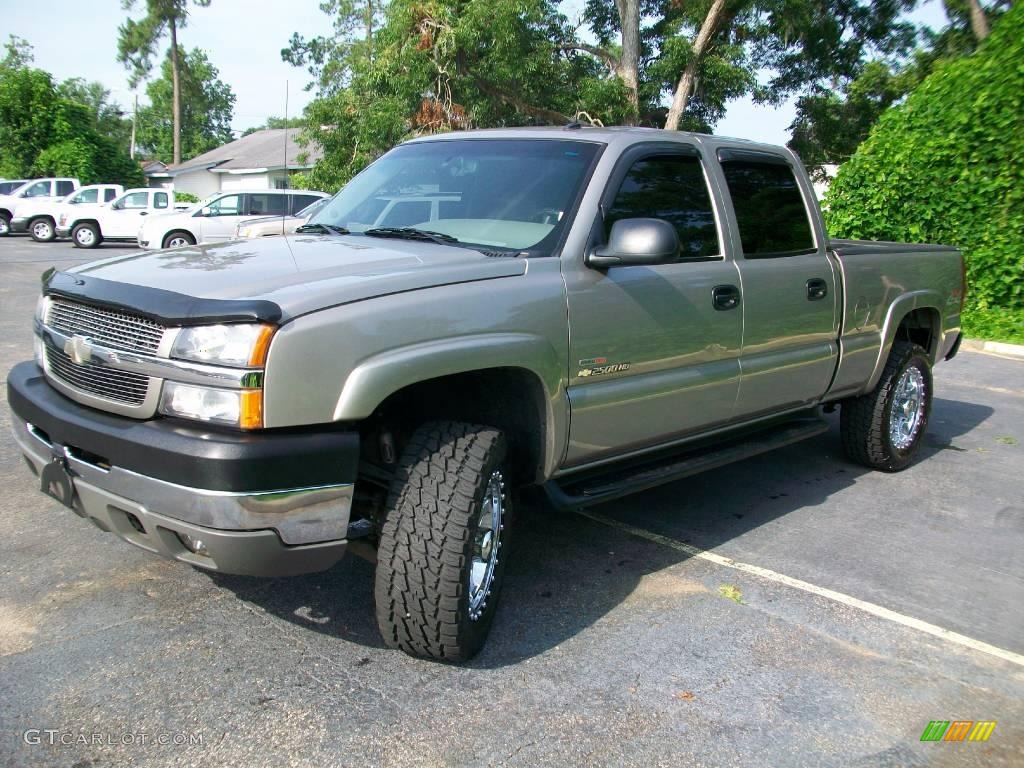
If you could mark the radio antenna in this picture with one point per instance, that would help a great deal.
(287, 177)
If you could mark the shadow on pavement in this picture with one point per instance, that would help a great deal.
(568, 571)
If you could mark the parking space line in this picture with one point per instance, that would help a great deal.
(829, 594)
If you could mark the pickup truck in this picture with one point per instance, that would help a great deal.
(33, 190)
(39, 216)
(119, 221)
(591, 311)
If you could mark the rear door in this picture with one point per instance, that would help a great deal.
(790, 294)
(651, 358)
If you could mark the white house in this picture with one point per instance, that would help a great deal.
(262, 160)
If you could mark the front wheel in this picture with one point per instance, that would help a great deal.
(883, 429)
(85, 236)
(178, 240)
(42, 230)
(441, 557)
(5, 224)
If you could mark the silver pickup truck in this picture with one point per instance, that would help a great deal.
(591, 311)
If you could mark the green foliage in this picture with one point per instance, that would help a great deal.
(47, 130)
(277, 122)
(946, 166)
(207, 104)
(185, 197)
(138, 38)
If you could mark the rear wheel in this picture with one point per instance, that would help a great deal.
(86, 236)
(178, 239)
(42, 230)
(883, 429)
(439, 572)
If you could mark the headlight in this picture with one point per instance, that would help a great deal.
(235, 345)
(234, 407)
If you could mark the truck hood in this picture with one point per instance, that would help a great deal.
(303, 273)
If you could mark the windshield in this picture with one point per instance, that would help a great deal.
(312, 208)
(513, 194)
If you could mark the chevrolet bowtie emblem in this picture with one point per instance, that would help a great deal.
(79, 349)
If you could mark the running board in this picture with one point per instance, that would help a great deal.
(570, 494)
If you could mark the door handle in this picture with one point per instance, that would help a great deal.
(143, 213)
(817, 289)
(725, 297)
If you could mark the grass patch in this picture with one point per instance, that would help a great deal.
(731, 592)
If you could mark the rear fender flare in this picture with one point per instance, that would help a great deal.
(898, 310)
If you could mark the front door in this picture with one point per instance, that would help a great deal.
(651, 357)
(790, 296)
(126, 216)
(219, 223)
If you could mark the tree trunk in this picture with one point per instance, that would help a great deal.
(629, 62)
(176, 96)
(979, 21)
(712, 22)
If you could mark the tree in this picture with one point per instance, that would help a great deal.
(136, 47)
(204, 120)
(832, 120)
(277, 122)
(107, 117)
(947, 165)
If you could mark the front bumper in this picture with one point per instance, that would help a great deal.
(269, 504)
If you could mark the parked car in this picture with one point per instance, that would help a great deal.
(277, 225)
(118, 221)
(36, 189)
(39, 216)
(215, 220)
(601, 311)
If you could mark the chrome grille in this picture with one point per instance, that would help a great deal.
(108, 383)
(105, 327)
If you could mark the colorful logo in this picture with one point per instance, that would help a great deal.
(958, 730)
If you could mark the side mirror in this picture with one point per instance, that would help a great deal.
(204, 211)
(636, 242)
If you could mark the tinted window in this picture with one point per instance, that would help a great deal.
(6, 187)
(298, 202)
(135, 200)
(670, 188)
(87, 196)
(109, 194)
(160, 200)
(267, 204)
(226, 206)
(39, 189)
(65, 188)
(769, 208)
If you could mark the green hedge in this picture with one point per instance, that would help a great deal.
(947, 166)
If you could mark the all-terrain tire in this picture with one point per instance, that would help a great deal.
(422, 583)
(865, 421)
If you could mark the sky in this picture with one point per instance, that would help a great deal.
(243, 39)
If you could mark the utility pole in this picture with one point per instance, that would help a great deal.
(135, 119)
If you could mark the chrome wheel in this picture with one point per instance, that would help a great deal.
(907, 409)
(177, 242)
(486, 545)
(41, 230)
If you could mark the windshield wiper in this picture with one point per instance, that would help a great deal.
(411, 233)
(323, 229)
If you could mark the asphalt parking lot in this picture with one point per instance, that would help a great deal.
(619, 640)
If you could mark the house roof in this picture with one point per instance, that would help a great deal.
(269, 149)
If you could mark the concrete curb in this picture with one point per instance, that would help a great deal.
(1015, 351)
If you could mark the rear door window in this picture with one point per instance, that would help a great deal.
(65, 187)
(298, 202)
(109, 194)
(267, 204)
(770, 210)
(160, 200)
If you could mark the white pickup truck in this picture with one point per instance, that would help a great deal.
(118, 221)
(36, 189)
(38, 216)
